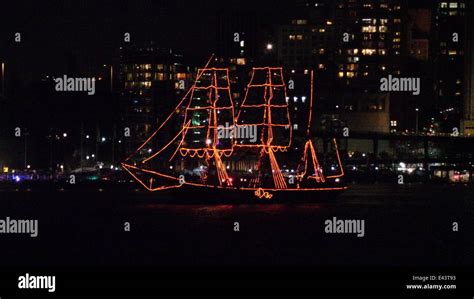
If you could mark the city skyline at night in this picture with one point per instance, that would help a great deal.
(298, 145)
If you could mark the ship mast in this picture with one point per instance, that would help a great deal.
(266, 98)
(210, 109)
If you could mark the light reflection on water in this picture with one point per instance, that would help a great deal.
(229, 209)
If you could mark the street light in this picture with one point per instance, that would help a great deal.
(3, 78)
(111, 76)
(269, 47)
(416, 125)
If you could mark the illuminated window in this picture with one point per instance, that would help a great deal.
(352, 67)
(300, 22)
(368, 52)
(353, 51)
(350, 74)
(291, 37)
(241, 61)
(383, 28)
(322, 30)
(341, 74)
(370, 29)
(443, 5)
(299, 37)
(452, 52)
(396, 21)
(321, 66)
(393, 123)
(453, 5)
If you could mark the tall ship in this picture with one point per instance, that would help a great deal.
(208, 146)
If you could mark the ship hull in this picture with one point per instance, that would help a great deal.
(194, 194)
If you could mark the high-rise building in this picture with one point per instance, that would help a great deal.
(306, 40)
(153, 80)
(350, 45)
(418, 33)
(370, 41)
(468, 121)
(449, 57)
(371, 44)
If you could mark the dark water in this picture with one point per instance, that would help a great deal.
(409, 225)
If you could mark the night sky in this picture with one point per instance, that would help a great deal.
(90, 32)
(87, 33)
